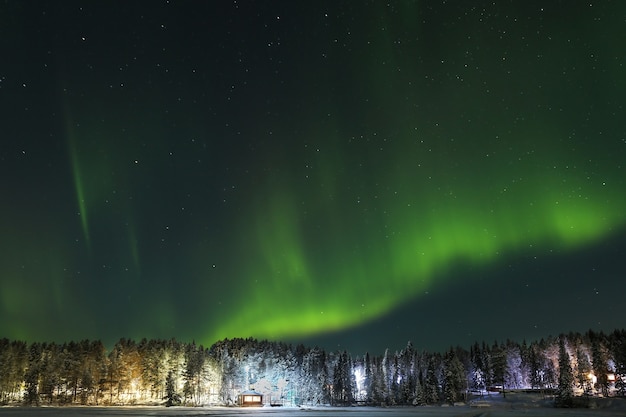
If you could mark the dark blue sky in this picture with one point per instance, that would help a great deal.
(349, 174)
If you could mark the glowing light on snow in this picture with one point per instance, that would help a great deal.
(359, 378)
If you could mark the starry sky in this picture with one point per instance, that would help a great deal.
(348, 174)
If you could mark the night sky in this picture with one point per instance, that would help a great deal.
(348, 174)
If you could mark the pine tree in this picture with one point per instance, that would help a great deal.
(367, 380)
(600, 363)
(583, 369)
(408, 380)
(487, 361)
(453, 378)
(534, 365)
(320, 378)
(524, 365)
(171, 396)
(378, 387)
(514, 375)
(477, 371)
(31, 377)
(323, 378)
(419, 390)
(13, 361)
(343, 380)
(431, 384)
(498, 362)
(618, 344)
(565, 390)
(396, 378)
(193, 374)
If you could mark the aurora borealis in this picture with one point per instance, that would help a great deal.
(354, 174)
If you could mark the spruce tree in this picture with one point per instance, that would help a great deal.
(367, 381)
(583, 369)
(565, 391)
(619, 355)
(535, 369)
(453, 378)
(498, 364)
(477, 368)
(394, 392)
(407, 371)
(378, 387)
(31, 376)
(171, 396)
(419, 390)
(431, 384)
(343, 380)
(600, 363)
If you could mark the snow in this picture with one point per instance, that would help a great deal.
(316, 412)
(514, 405)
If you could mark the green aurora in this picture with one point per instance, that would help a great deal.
(350, 163)
(329, 253)
(341, 264)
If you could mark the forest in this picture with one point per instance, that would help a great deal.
(168, 372)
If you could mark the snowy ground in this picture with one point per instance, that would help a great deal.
(512, 406)
(326, 412)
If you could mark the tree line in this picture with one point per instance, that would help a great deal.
(170, 372)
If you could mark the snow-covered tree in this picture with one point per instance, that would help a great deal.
(535, 367)
(583, 369)
(565, 390)
(378, 385)
(13, 362)
(499, 364)
(343, 380)
(618, 347)
(513, 377)
(477, 369)
(172, 397)
(487, 365)
(600, 362)
(431, 382)
(453, 378)
(31, 376)
(193, 374)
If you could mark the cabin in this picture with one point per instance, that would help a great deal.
(251, 399)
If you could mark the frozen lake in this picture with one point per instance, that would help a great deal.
(315, 412)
